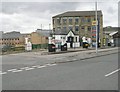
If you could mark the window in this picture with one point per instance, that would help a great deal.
(63, 37)
(64, 21)
(89, 20)
(58, 21)
(82, 27)
(70, 28)
(83, 20)
(58, 28)
(76, 28)
(76, 21)
(64, 28)
(89, 28)
(70, 21)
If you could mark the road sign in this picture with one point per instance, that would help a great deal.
(94, 22)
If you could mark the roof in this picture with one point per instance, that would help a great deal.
(116, 35)
(78, 13)
(109, 28)
(44, 32)
(63, 32)
(12, 34)
(111, 34)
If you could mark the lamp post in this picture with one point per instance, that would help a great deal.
(96, 29)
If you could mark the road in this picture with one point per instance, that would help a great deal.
(98, 73)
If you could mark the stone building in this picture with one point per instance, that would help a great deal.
(80, 22)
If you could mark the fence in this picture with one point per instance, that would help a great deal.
(39, 46)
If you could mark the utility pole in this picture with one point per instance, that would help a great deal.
(41, 26)
(49, 26)
(96, 29)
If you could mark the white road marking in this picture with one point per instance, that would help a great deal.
(3, 73)
(112, 73)
(53, 64)
(29, 69)
(17, 71)
(11, 70)
(50, 64)
(41, 66)
(36, 66)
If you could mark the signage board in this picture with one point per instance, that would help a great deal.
(94, 22)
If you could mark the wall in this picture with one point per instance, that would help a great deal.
(38, 41)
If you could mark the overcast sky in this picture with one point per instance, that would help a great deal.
(26, 17)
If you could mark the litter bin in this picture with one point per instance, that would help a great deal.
(64, 47)
(109, 43)
(51, 48)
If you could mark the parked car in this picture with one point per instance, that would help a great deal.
(85, 45)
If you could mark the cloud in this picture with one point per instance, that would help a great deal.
(28, 16)
(24, 16)
(11, 7)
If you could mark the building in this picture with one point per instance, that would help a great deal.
(61, 37)
(12, 39)
(39, 38)
(44, 32)
(116, 39)
(109, 32)
(80, 22)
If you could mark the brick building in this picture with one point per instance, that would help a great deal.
(12, 38)
(39, 38)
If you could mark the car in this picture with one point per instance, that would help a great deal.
(85, 45)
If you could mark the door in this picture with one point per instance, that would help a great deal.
(70, 40)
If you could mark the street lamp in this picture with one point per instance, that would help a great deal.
(96, 30)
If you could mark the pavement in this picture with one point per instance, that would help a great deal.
(58, 51)
(28, 59)
(88, 54)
